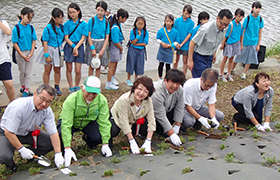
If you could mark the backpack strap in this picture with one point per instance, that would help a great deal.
(75, 28)
(18, 30)
(230, 29)
(248, 17)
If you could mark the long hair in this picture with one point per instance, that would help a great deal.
(56, 12)
(28, 11)
(75, 6)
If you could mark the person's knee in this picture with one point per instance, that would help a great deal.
(188, 122)
(220, 116)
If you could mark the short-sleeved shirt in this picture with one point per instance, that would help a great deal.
(21, 117)
(194, 31)
(184, 27)
(236, 32)
(4, 57)
(195, 97)
(251, 35)
(53, 39)
(98, 30)
(116, 33)
(173, 35)
(25, 40)
(141, 40)
(208, 38)
(82, 30)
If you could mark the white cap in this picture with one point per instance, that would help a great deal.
(92, 84)
(95, 62)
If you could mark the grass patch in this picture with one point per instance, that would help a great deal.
(191, 138)
(108, 173)
(4, 172)
(163, 145)
(124, 152)
(269, 161)
(33, 171)
(84, 163)
(273, 50)
(255, 135)
(158, 152)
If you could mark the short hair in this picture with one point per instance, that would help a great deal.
(203, 15)
(188, 8)
(257, 79)
(225, 13)
(77, 8)
(210, 74)
(50, 90)
(239, 11)
(257, 4)
(147, 82)
(175, 76)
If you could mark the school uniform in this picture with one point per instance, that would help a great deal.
(166, 54)
(233, 46)
(54, 45)
(27, 36)
(98, 30)
(135, 60)
(5, 62)
(184, 27)
(82, 30)
(194, 31)
(249, 55)
(116, 37)
(207, 40)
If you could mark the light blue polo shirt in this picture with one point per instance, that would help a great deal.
(116, 33)
(173, 35)
(82, 30)
(184, 27)
(26, 38)
(194, 31)
(99, 28)
(235, 34)
(53, 39)
(20, 117)
(141, 40)
(251, 35)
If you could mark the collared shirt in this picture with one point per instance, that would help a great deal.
(20, 117)
(173, 35)
(53, 39)
(251, 35)
(236, 32)
(195, 97)
(184, 27)
(116, 33)
(164, 102)
(3, 48)
(82, 30)
(26, 38)
(208, 38)
(141, 40)
(98, 29)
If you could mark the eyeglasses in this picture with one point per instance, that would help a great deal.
(208, 85)
(223, 24)
(43, 99)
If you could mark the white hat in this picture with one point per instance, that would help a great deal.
(95, 62)
(92, 84)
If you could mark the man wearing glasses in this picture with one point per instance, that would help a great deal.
(23, 116)
(202, 48)
(197, 91)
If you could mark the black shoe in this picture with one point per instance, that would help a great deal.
(14, 168)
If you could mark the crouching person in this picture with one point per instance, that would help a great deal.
(133, 114)
(21, 118)
(198, 91)
(86, 110)
(250, 101)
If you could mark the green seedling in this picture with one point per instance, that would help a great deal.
(189, 153)
(33, 171)
(191, 132)
(182, 139)
(269, 161)
(108, 173)
(181, 148)
(191, 138)
(231, 131)
(163, 146)
(116, 160)
(73, 174)
(124, 152)
(255, 135)
(142, 172)
(151, 160)
(84, 163)
(230, 158)
(223, 139)
(158, 152)
(222, 146)
(186, 170)
(191, 148)
(224, 134)
(189, 160)
(142, 150)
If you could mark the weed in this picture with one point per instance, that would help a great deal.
(116, 160)
(255, 135)
(229, 157)
(191, 132)
(84, 163)
(4, 171)
(33, 170)
(189, 153)
(191, 138)
(73, 174)
(142, 172)
(124, 152)
(182, 139)
(186, 170)
(273, 50)
(269, 161)
(191, 148)
(222, 146)
(163, 146)
(277, 127)
(158, 152)
(108, 173)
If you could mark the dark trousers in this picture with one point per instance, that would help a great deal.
(44, 146)
(201, 63)
(240, 117)
(160, 129)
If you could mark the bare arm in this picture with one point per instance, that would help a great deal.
(55, 142)
(193, 112)
(259, 42)
(223, 43)
(191, 50)
(5, 29)
(186, 39)
(211, 109)
(13, 139)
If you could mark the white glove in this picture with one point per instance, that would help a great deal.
(204, 122)
(175, 139)
(260, 127)
(134, 147)
(266, 126)
(176, 129)
(106, 151)
(147, 146)
(68, 155)
(26, 153)
(58, 160)
(215, 122)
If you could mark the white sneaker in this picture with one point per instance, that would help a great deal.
(223, 78)
(243, 76)
(114, 81)
(111, 86)
(229, 77)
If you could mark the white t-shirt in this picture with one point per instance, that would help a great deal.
(4, 53)
(195, 97)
